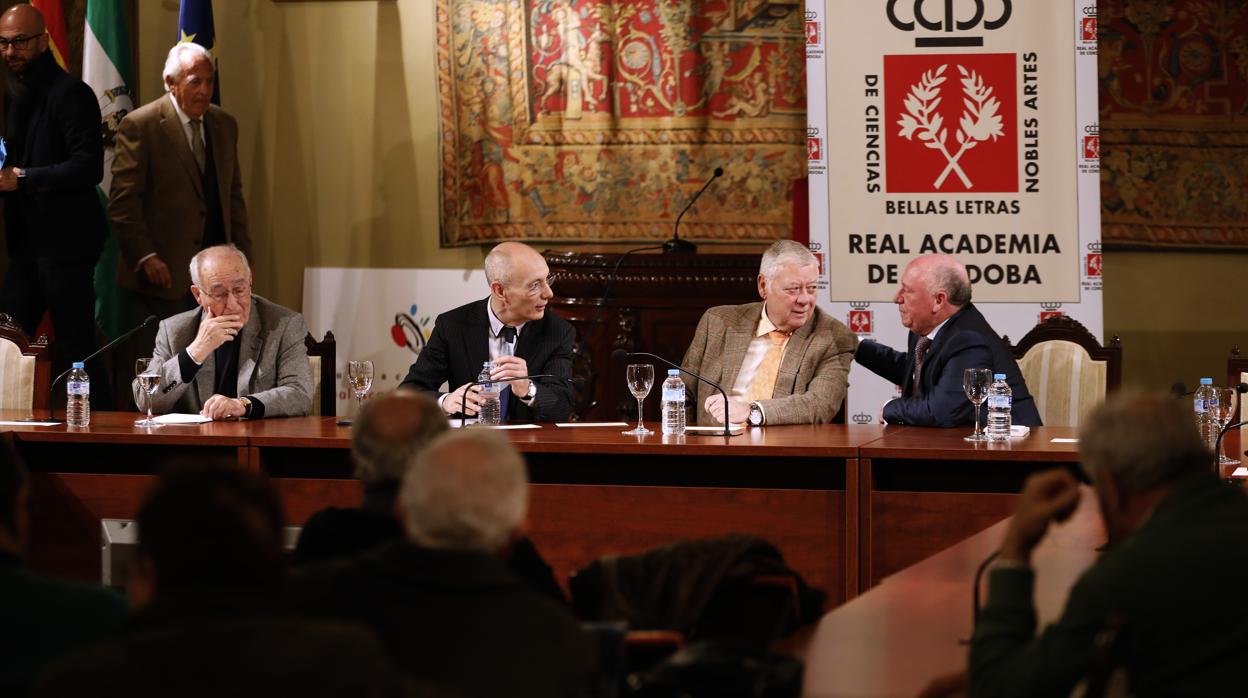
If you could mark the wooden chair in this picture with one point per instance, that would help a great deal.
(323, 357)
(1236, 373)
(25, 368)
(1067, 370)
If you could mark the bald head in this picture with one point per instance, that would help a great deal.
(388, 433)
(519, 283)
(933, 288)
(23, 30)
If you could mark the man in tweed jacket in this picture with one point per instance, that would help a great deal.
(733, 343)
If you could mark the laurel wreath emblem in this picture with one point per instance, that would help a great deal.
(980, 121)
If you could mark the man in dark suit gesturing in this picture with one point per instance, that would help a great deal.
(947, 335)
(511, 328)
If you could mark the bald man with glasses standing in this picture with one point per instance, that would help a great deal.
(513, 329)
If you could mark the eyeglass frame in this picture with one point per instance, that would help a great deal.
(241, 293)
(20, 42)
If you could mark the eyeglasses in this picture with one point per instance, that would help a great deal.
(20, 42)
(241, 293)
(536, 287)
(795, 291)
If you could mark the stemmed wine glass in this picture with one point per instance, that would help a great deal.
(640, 379)
(360, 375)
(975, 382)
(1225, 412)
(148, 373)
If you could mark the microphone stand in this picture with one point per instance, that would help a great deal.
(1217, 445)
(682, 369)
(684, 246)
(463, 411)
(52, 387)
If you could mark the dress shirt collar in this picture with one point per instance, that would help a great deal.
(182, 117)
(765, 324)
(496, 325)
(932, 335)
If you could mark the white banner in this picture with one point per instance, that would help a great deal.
(972, 133)
(383, 315)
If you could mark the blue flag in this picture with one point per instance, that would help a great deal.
(195, 25)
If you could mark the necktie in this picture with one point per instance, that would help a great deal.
(508, 333)
(197, 144)
(764, 383)
(920, 349)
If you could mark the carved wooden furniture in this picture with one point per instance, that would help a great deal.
(25, 368)
(1236, 373)
(1067, 370)
(322, 356)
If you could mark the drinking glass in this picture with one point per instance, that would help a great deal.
(148, 373)
(975, 382)
(640, 379)
(1228, 398)
(360, 375)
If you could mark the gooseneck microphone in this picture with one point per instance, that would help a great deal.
(684, 246)
(52, 388)
(1217, 444)
(620, 354)
(463, 412)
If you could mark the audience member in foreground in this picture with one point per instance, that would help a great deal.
(781, 361)
(40, 619)
(236, 355)
(443, 602)
(384, 440)
(1168, 595)
(206, 586)
(947, 336)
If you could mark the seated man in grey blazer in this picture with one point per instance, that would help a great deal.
(236, 355)
(781, 361)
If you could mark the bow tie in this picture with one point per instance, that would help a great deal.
(508, 333)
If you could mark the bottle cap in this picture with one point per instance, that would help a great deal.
(78, 364)
(998, 376)
(1206, 381)
(673, 372)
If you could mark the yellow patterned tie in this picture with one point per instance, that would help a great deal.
(764, 383)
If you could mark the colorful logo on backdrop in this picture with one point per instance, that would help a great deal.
(814, 144)
(951, 123)
(1092, 261)
(1050, 310)
(1087, 29)
(860, 317)
(408, 332)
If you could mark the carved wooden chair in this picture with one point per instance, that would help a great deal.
(25, 368)
(323, 357)
(1067, 370)
(1236, 373)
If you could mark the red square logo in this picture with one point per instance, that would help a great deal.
(819, 258)
(952, 123)
(1093, 264)
(1088, 27)
(812, 33)
(814, 149)
(1091, 147)
(860, 321)
(1047, 314)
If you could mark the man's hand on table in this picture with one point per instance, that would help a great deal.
(222, 407)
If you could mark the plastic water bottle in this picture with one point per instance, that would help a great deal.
(1000, 408)
(78, 396)
(1206, 404)
(673, 404)
(490, 414)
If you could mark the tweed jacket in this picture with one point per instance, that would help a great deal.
(813, 378)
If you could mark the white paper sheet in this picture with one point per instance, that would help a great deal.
(177, 418)
(591, 424)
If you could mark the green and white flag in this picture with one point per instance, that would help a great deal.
(107, 70)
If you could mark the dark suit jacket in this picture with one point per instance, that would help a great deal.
(458, 619)
(53, 133)
(157, 201)
(966, 341)
(460, 344)
(214, 648)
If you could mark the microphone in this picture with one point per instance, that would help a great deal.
(684, 246)
(463, 413)
(52, 388)
(1217, 444)
(620, 354)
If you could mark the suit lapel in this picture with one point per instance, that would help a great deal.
(224, 170)
(794, 352)
(907, 387)
(737, 340)
(172, 128)
(249, 350)
(477, 340)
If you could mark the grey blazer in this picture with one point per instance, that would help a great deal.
(272, 363)
(813, 377)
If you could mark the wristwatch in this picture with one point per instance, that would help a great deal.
(531, 392)
(246, 406)
(756, 415)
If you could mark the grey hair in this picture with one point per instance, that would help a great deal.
(468, 490)
(173, 62)
(1146, 440)
(194, 266)
(784, 252)
(497, 266)
(389, 431)
(950, 276)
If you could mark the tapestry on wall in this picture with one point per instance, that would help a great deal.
(596, 120)
(1174, 123)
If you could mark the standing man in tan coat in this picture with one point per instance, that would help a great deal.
(176, 187)
(781, 361)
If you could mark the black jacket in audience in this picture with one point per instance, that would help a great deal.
(455, 619)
